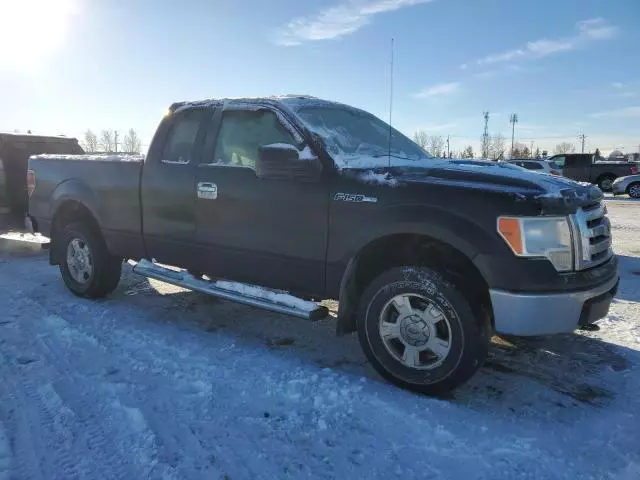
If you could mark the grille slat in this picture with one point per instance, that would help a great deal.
(593, 236)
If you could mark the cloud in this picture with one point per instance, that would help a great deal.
(617, 85)
(438, 89)
(589, 31)
(620, 112)
(337, 21)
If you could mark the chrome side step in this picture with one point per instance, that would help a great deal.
(235, 292)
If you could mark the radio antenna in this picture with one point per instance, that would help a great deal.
(391, 103)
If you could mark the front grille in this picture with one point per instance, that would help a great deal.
(592, 236)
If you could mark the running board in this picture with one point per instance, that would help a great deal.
(235, 292)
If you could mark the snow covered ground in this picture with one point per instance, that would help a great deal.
(157, 382)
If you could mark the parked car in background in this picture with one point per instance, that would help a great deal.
(586, 167)
(15, 150)
(629, 185)
(537, 165)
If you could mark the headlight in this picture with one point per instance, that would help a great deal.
(548, 237)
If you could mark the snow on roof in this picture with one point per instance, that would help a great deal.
(104, 158)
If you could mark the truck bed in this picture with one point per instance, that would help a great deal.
(108, 184)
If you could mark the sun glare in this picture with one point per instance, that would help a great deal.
(32, 30)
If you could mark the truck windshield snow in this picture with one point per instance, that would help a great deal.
(358, 139)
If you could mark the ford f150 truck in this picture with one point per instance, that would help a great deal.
(586, 167)
(427, 257)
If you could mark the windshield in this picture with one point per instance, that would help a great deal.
(358, 139)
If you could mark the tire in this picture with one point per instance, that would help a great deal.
(102, 276)
(605, 182)
(429, 296)
(634, 190)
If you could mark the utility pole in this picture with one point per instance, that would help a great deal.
(531, 150)
(485, 136)
(582, 137)
(448, 152)
(116, 140)
(513, 119)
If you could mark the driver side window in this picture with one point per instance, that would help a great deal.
(242, 133)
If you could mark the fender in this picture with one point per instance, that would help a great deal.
(75, 190)
(459, 232)
(448, 227)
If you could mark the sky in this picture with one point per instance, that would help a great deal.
(566, 67)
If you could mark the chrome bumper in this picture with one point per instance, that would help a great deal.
(549, 313)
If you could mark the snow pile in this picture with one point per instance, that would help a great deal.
(104, 158)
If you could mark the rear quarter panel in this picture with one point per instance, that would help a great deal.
(109, 189)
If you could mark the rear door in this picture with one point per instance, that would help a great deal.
(263, 231)
(168, 188)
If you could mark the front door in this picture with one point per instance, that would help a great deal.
(577, 167)
(268, 232)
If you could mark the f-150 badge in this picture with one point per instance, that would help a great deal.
(354, 198)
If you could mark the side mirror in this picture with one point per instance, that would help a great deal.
(281, 161)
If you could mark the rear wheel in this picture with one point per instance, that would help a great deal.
(634, 190)
(87, 267)
(606, 183)
(419, 332)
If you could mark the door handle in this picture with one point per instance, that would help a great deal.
(207, 190)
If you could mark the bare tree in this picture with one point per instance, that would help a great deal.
(421, 139)
(131, 143)
(90, 143)
(467, 152)
(435, 145)
(537, 154)
(107, 140)
(520, 150)
(496, 147)
(565, 147)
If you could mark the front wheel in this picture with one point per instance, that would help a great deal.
(634, 190)
(87, 267)
(419, 332)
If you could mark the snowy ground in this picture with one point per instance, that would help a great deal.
(158, 382)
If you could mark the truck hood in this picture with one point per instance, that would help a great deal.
(552, 192)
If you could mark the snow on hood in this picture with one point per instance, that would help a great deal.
(478, 174)
(104, 158)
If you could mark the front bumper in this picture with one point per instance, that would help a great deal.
(619, 188)
(528, 314)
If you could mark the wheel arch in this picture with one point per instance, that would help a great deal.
(438, 249)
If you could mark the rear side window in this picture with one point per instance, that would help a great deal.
(179, 146)
(242, 133)
(532, 166)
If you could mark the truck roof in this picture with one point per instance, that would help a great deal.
(293, 102)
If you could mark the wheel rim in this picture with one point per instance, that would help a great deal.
(79, 260)
(415, 331)
(634, 190)
(606, 184)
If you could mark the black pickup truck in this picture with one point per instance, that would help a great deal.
(587, 167)
(427, 257)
